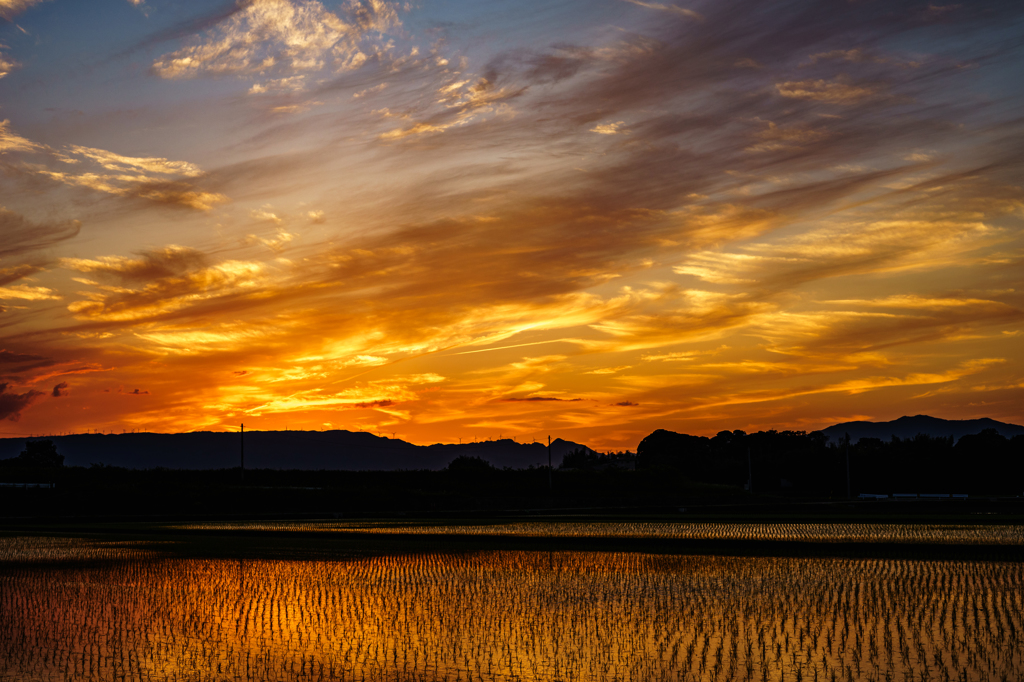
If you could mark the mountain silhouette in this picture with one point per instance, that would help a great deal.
(908, 427)
(310, 450)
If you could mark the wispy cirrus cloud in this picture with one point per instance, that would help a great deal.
(833, 92)
(461, 103)
(856, 386)
(158, 282)
(127, 164)
(23, 236)
(12, 363)
(6, 63)
(383, 395)
(12, 142)
(932, 235)
(155, 179)
(674, 9)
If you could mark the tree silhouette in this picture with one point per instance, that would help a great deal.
(40, 454)
(470, 465)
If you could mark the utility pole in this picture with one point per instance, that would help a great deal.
(241, 448)
(750, 473)
(550, 486)
(846, 446)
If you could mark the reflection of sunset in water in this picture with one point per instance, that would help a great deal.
(512, 616)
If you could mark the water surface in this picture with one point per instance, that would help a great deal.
(894, 533)
(116, 611)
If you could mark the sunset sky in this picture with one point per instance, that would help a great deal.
(459, 219)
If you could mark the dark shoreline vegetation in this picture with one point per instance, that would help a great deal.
(107, 492)
(293, 546)
(794, 474)
(320, 539)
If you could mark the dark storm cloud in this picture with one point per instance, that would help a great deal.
(60, 390)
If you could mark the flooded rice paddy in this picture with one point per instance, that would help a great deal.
(90, 610)
(955, 534)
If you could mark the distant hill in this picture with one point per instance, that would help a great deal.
(908, 427)
(310, 450)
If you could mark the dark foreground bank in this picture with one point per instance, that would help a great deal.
(103, 493)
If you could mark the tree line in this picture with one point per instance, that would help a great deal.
(667, 470)
(807, 463)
